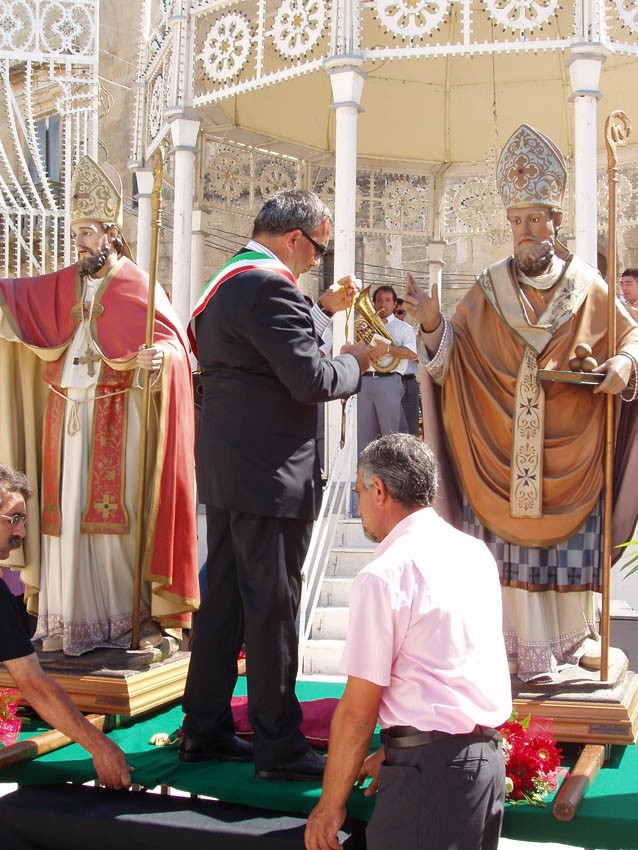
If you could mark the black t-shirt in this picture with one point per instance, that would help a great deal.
(14, 642)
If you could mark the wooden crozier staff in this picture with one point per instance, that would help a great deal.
(617, 132)
(156, 211)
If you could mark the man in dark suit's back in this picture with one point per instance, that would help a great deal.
(258, 474)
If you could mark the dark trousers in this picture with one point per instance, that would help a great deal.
(254, 586)
(411, 405)
(448, 795)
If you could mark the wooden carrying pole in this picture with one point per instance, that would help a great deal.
(617, 132)
(42, 744)
(156, 211)
(580, 778)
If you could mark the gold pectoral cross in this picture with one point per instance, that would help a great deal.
(88, 359)
(104, 506)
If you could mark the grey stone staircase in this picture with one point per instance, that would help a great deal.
(351, 551)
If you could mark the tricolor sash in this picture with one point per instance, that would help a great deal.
(243, 262)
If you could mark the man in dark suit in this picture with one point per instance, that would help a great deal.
(258, 474)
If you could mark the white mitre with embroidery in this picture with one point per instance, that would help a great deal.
(531, 171)
(96, 193)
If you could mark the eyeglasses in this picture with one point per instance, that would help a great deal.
(320, 249)
(15, 519)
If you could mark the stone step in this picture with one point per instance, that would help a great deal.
(330, 623)
(350, 533)
(322, 657)
(347, 563)
(335, 591)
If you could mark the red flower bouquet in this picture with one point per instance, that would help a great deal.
(532, 760)
(10, 725)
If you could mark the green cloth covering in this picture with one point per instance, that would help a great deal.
(32, 726)
(607, 818)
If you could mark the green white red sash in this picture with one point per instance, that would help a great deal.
(246, 261)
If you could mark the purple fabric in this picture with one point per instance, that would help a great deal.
(12, 581)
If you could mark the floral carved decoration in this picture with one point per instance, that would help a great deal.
(298, 26)
(522, 15)
(226, 47)
(411, 18)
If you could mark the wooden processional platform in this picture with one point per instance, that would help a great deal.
(113, 681)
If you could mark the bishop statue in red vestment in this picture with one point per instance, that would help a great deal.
(71, 354)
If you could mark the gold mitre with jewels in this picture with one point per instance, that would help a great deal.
(531, 171)
(96, 193)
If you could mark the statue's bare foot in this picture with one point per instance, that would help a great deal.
(591, 658)
(151, 636)
(52, 644)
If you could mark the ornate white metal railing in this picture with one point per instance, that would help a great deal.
(48, 97)
(334, 507)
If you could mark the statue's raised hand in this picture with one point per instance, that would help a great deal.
(424, 307)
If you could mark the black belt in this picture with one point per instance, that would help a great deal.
(402, 737)
(380, 374)
(409, 377)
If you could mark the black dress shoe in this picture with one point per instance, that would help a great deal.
(308, 767)
(224, 749)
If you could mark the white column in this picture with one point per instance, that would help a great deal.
(184, 130)
(584, 71)
(144, 213)
(435, 265)
(346, 78)
(197, 256)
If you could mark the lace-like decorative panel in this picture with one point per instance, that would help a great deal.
(387, 202)
(622, 17)
(298, 27)
(522, 15)
(626, 198)
(244, 45)
(226, 47)
(48, 102)
(59, 27)
(411, 18)
(244, 177)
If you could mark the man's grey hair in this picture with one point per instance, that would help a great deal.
(12, 481)
(291, 209)
(405, 464)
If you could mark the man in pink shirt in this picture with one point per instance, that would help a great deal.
(425, 657)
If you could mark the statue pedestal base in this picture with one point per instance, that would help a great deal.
(115, 681)
(582, 708)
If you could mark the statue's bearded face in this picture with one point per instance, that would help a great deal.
(534, 233)
(93, 245)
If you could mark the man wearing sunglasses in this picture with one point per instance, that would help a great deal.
(258, 474)
(16, 652)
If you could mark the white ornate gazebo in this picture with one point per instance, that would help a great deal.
(394, 110)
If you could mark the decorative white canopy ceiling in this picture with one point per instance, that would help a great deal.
(447, 80)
